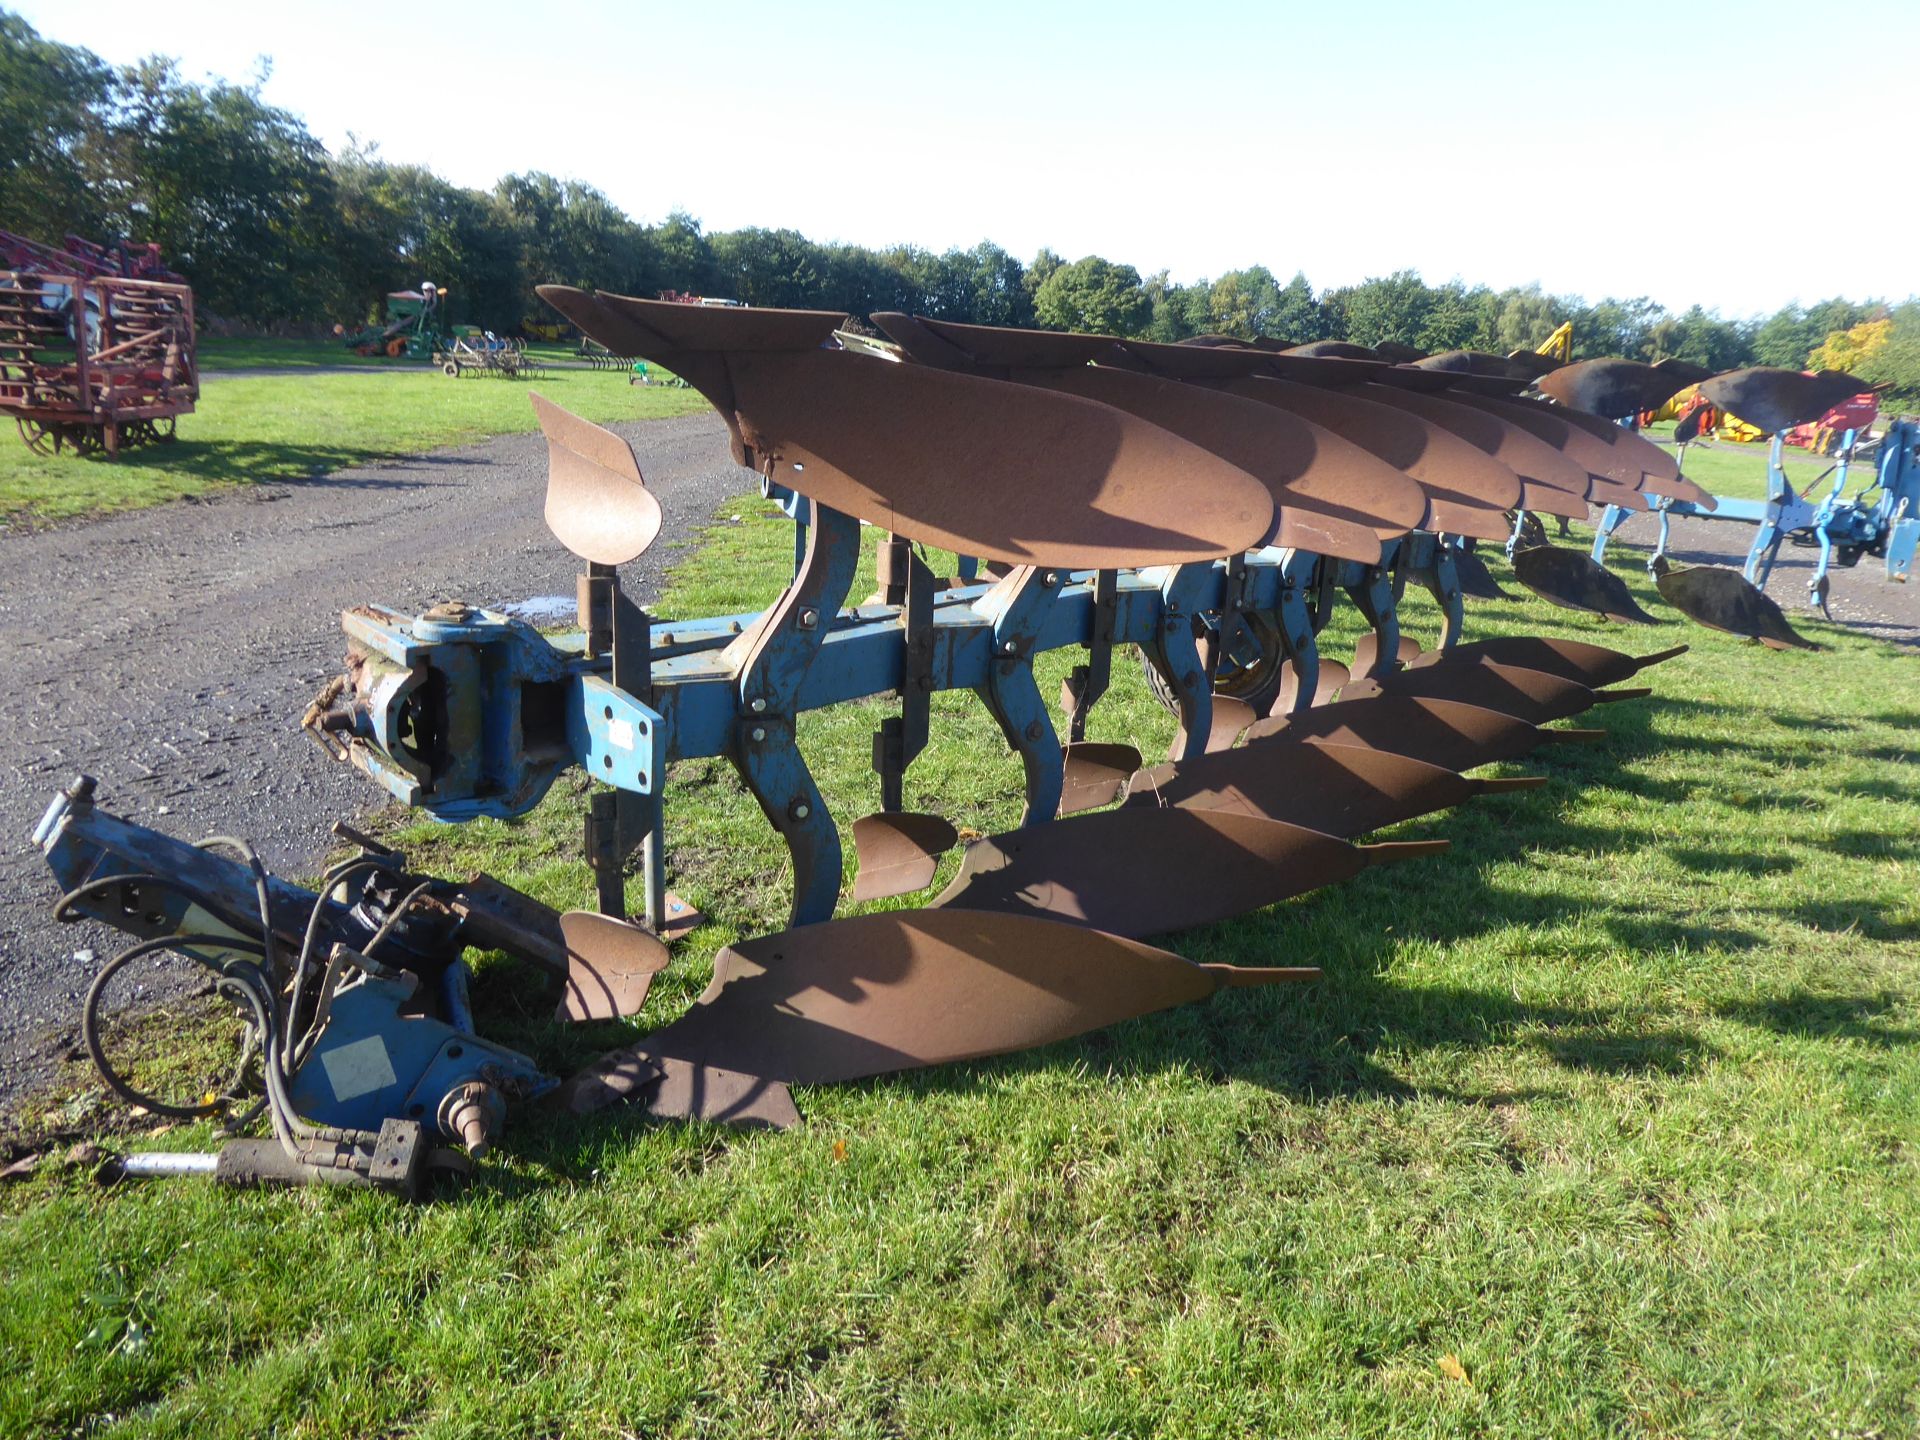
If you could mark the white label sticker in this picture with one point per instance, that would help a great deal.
(620, 732)
(358, 1069)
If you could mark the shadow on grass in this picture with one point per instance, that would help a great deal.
(1729, 862)
(1867, 918)
(1810, 1016)
(1352, 1034)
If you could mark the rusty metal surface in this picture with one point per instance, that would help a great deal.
(1331, 497)
(1601, 460)
(1574, 580)
(669, 1088)
(1530, 695)
(1231, 717)
(1592, 665)
(1475, 578)
(1655, 462)
(898, 851)
(1780, 399)
(1333, 350)
(1685, 371)
(1440, 732)
(1724, 599)
(1191, 362)
(1002, 471)
(1339, 790)
(1096, 772)
(1366, 652)
(1399, 354)
(1531, 364)
(1298, 464)
(598, 505)
(719, 1096)
(1472, 362)
(1331, 677)
(996, 345)
(610, 966)
(1389, 502)
(908, 988)
(1527, 457)
(1143, 870)
(1466, 490)
(1611, 388)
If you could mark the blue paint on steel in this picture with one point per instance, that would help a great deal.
(1842, 527)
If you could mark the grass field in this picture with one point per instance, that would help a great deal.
(217, 354)
(1605, 1124)
(283, 429)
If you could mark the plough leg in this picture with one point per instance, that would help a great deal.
(1018, 608)
(782, 648)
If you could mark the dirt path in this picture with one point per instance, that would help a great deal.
(170, 652)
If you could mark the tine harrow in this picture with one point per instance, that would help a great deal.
(96, 346)
(1202, 504)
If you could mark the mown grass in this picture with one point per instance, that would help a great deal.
(220, 353)
(1606, 1123)
(282, 429)
(216, 354)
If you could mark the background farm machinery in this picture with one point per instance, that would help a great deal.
(96, 345)
(486, 354)
(415, 327)
(1205, 506)
(1881, 517)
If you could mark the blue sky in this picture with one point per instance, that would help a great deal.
(1671, 150)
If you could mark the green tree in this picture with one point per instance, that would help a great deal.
(769, 267)
(1895, 362)
(685, 254)
(1460, 319)
(54, 137)
(237, 193)
(1041, 270)
(1173, 308)
(1298, 317)
(1096, 296)
(1391, 308)
(1621, 328)
(1527, 315)
(1244, 303)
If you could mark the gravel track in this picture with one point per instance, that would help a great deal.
(171, 651)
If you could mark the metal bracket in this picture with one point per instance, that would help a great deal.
(1018, 608)
(1372, 594)
(1087, 683)
(771, 673)
(902, 737)
(1175, 653)
(629, 817)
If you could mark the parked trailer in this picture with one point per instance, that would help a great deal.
(96, 346)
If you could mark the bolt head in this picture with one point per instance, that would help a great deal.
(757, 705)
(757, 734)
(1007, 647)
(800, 810)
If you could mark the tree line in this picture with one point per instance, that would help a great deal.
(274, 230)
